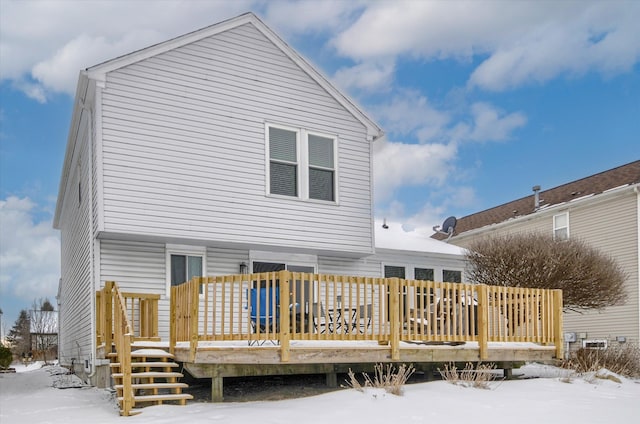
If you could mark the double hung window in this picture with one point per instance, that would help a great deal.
(561, 226)
(302, 164)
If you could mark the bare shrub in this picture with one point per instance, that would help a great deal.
(621, 359)
(478, 377)
(589, 279)
(385, 377)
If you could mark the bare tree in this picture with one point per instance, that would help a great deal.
(44, 327)
(588, 278)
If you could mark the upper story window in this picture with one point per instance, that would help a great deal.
(302, 164)
(561, 226)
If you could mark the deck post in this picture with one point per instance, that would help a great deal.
(108, 313)
(193, 315)
(557, 322)
(394, 319)
(483, 322)
(217, 388)
(172, 321)
(285, 311)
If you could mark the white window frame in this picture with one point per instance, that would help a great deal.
(182, 249)
(557, 228)
(303, 165)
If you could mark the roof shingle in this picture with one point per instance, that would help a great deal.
(621, 176)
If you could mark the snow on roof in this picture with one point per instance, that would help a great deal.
(396, 238)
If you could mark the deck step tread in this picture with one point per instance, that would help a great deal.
(147, 364)
(155, 386)
(151, 374)
(144, 353)
(152, 398)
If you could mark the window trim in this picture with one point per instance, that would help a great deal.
(303, 163)
(186, 250)
(557, 228)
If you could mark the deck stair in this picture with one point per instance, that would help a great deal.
(155, 379)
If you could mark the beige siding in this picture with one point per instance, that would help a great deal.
(611, 227)
(609, 222)
(184, 148)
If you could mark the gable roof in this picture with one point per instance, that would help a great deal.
(99, 71)
(624, 175)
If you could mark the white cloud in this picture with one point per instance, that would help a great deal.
(492, 124)
(304, 16)
(525, 41)
(29, 252)
(401, 164)
(59, 73)
(369, 76)
(52, 40)
(409, 112)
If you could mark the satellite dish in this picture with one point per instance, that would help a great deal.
(448, 227)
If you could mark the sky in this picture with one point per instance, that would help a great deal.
(548, 395)
(479, 100)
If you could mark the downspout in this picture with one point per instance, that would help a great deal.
(637, 192)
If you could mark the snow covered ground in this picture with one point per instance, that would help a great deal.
(29, 396)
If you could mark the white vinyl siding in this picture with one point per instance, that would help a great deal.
(183, 149)
(76, 292)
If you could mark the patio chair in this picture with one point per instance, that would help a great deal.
(263, 317)
(320, 322)
(364, 317)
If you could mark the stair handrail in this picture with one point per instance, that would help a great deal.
(123, 338)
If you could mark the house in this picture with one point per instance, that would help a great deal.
(602, 209)
(43, 332)
(210, 151)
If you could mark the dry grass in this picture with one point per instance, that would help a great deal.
(621, 359)
(478, 377)
(385, 377)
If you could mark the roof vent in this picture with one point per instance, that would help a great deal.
(384, 224)
(536, 197)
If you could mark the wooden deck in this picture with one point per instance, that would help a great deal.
(296, 323)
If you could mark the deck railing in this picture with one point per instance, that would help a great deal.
(284, 306)
(115, 326)
(141, 310)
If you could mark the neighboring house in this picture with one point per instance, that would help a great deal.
(217, 152)
(603, 210)
(43, 332)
